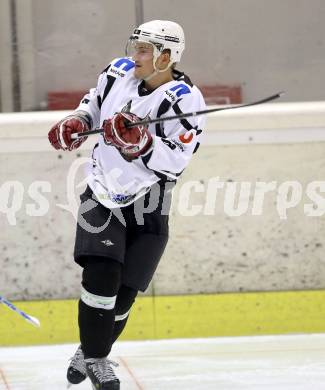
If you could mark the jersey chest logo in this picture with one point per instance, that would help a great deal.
(128, 109)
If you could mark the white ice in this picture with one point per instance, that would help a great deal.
(295, 362)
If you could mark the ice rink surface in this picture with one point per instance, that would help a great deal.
(294, 362)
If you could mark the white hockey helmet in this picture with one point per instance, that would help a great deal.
(162, 35)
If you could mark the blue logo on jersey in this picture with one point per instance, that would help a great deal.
(127, 64)
(181, 89)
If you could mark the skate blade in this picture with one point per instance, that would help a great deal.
(69, 385)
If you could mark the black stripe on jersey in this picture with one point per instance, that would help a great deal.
(175, 174)
(164, 178)
(99, 101)
(96, 146)
(177, 75)
(145, 159)
(142, 90)
(106, 69)
(186, 124)
(109, 84)
(163, 108)
(187, 80)
(160, 175)
(196, 147)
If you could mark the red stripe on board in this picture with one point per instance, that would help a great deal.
(131, 373)
(2, 375)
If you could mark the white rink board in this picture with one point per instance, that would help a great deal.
(273, 142)
(295, 362)
(269, 123)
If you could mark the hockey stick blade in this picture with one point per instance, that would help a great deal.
(32, 320)
(184, 115)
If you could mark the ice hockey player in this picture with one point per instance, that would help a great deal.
(122, 228)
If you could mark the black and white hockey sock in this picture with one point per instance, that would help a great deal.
(124, 301)
(96, 325)
(100, 284)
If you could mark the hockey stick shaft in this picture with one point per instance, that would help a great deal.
(32, 320)
(209, 110)
(185, 115)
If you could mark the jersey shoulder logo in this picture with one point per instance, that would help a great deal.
(120, 67)
(177, 90)
(180, 89)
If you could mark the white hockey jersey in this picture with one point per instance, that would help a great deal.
(117, 182)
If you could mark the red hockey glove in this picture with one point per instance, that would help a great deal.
(60, 134)
(131, 142)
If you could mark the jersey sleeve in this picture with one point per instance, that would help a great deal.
(90, 102)
(179, 138)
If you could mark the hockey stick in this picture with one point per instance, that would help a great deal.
(184, 115)
(32, 320)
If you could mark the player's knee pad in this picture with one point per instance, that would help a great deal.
(125, 299)
(101, 278)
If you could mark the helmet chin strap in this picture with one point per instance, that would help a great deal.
(156, 70)
(151, 75)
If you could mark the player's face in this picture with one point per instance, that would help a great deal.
(142, 55)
